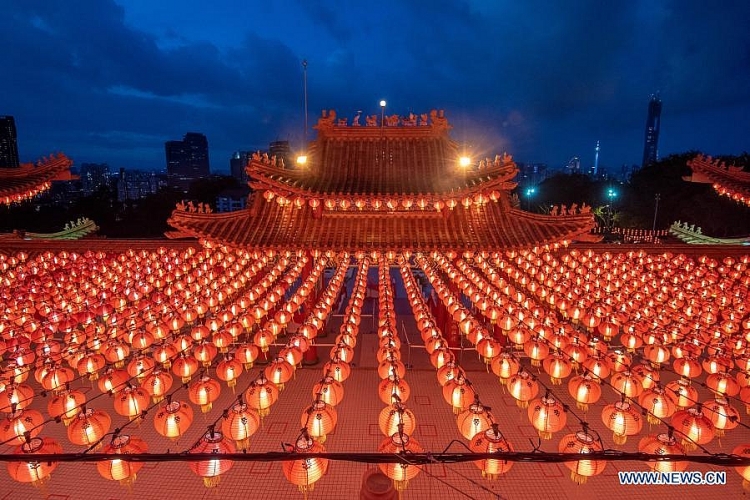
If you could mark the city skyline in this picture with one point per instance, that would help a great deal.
(112, 81)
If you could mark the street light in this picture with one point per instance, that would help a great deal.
(611, 195)
(529, 192)
(382, 112)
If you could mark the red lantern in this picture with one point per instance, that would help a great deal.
(547, 415)
(304, 473)
(14, 427)
(663, 444)
(724, 416)
(89, 427)
(204, 391)
(240, 423)
(123, 471)
(173, 418)
(66, 405)
(657, 405)
(157, 384)
(279, 371)
(211, 470)
(475, 419)
(319, 419)
(695, 427)
(623, 420)
(261, 394)
(36, 473)
(523, 388)
(395, 415)
(585, 390)
(582, 442)
(400, 473)
(228, 370)
(491, 441)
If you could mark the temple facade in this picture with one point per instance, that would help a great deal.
(392, 186)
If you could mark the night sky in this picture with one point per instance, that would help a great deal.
(110, 81)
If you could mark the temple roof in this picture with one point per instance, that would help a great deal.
(404, 157)
(727, 180)
(18, 184)
(73, 230)
(489, 227)
(694, 235)
(396, 185)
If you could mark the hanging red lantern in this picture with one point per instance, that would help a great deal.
(400, 473)
(491, 441)
(474, 419)
(393, 390)
(36, 473)
(213, 442)
(623, 420)
(724, 416)
(547, 415)
(505, 365)
(657, 405)
(743, 450)
(261, 394)
(304, 473)
(228, 370)
(123, 471)
(113, 381)
(582, 442)
(279, 371)
(682, 393)
(337, 369)
(695, 427)
(319, 419)
(173, 418)
(185, 366)
(585, 389)
(66, 405)
(204, 391)
(240, 423)
(627, 383)
(395, 415)
(89, 427)
(663, 444)
(523, 388)
(17, 424)
(15, 395)
(557, 366)
(157, 384)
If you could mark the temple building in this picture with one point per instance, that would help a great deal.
(395, 187)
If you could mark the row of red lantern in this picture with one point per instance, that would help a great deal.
(393, 389)
(475, 422)
(320, 418)
(391, 204)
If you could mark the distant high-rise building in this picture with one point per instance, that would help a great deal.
(237, 164)
(94, 176)
(596, 159)
(651, 145)
(187, 160)
(136, 184)
(8, 143)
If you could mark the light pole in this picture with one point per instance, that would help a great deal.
(656, 210)
(382, 113)
(611, 195)
(529, 192)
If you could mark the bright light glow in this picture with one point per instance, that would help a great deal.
(382, 103)
(464, 161)
(301, 159)
(530, 191)
(611, 193)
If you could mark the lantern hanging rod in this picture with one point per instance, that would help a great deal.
(719, 459)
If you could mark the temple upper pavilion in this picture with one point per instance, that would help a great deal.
(397, 185)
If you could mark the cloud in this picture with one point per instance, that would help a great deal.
(544, 80)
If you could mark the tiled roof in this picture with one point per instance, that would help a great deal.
(491, 227)
(729, 181)
(28, 179)
(389, 160)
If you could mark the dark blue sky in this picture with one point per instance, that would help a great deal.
(110, 81)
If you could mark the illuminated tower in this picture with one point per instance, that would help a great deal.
(596, 159)
(651, 144)
(8, 142)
